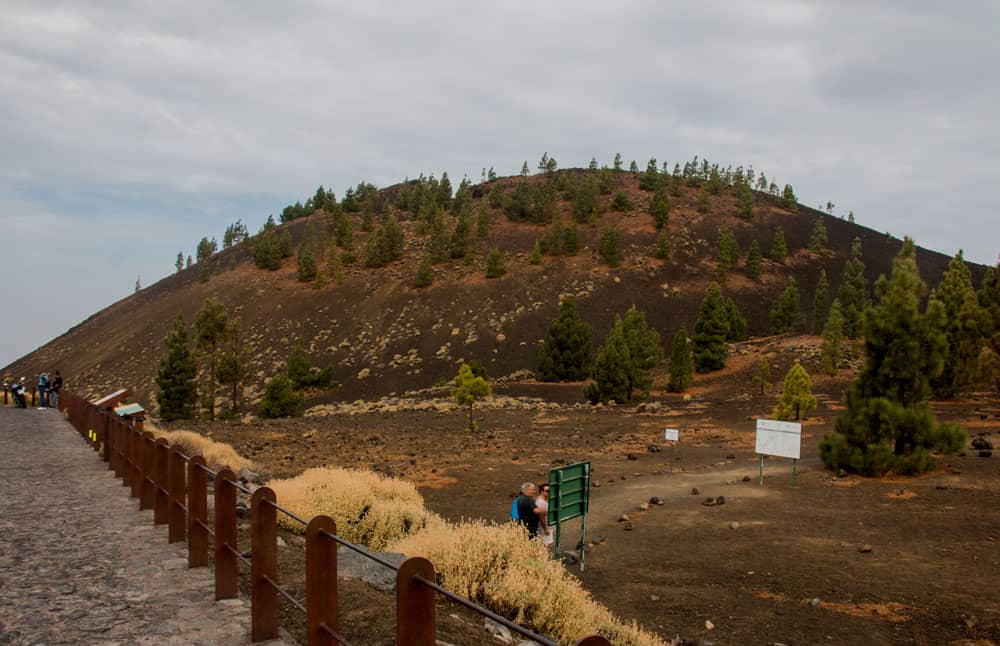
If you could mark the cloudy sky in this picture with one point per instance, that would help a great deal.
(128, 130)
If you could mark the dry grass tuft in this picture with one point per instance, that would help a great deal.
(500, 568)
(216, 454)
(368, 508)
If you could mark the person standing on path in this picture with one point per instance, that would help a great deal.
(43, 389)
(527, 512)
(54, 388)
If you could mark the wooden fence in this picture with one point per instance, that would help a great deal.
(175, 486)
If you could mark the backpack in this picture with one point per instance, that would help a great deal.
(513, 511)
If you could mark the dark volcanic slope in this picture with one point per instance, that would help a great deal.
(383, 336)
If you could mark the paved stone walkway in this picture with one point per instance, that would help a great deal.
(80, 564)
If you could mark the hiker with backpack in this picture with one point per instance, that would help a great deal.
(527, 512)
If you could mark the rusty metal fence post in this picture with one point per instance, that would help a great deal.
(593, 640)
(177, 487)
(143, 486)
(197, 503)
(105, 433)
(264, 565)
(225, 535)
(321, 582)
(415, 612)
(161, 501)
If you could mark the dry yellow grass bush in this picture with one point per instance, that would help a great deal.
(500, 568)
(216, 454)
(368, 508)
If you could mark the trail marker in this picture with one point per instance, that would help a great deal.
(673, 436)
(780, 439)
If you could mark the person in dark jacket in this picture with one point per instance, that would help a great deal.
(527, 512)
(54, 387)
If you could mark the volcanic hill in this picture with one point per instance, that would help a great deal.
(382, 336)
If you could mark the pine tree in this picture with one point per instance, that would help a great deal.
(650, 180)
(280, 399)
(727, 250)
(989, 301)
(681, 363)
(461, 237)
(189, 262)
(704, 201)
(744, 201)
(621, 203)
(210, 326)
(853, 293)
(618, 162)
(180, 261)
(659, 206)
(711, 331)
(624, 364)
(821, 302)
(662, 246)
(755, 264)
(734, 320)
(571, 240)
(611, 247)
(566, 353)
(536, 254)
(233, 368)
(267, 251)
(785, 314)
(833, 339)
(796, 395)
(524, 169)
(788, 199)
(177, 392)
(425, 273)
(633, 167)
(887, 425)
(468, 389)
(483, 222)
(964, 326)
(495, 264)
(818, 239)
(762, 377)
(307, 266)
(779, 249)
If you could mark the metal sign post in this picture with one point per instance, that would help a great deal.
(673, 436)
(569, 497)
(780, 439)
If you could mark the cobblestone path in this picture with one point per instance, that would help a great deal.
(80, 564)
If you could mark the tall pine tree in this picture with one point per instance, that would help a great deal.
(821, 302)
(624, 364)
(785, 314)
(888, 425)
(681, 363)
(833, 339)
(177, 392)
(711, 331)
(566, 352)
(853, 293)
(963, 329)
(755, 263)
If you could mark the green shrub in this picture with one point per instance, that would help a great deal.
(280, 399)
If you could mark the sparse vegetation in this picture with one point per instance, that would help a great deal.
(469, 388)
(280, 399)
(495, 266)
(611, 247)
(177, 391)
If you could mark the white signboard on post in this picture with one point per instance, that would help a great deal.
(780, 439)
(672, 435)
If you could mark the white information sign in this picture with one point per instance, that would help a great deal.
(780, 439)
(672, 435)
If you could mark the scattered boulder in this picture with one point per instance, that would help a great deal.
(623, 518)
(815, 601)
(694, 491)
(721, 500)
(981, 444)
(734, 525)
(571, 557)
(644, 506)
(632, 456)
(656, 501)
(746, 478)
(628, 526)
(654, 448)
(499, 632)
(985, 454)
(865, 549)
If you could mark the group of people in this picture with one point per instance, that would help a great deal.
(531, 509)
(47, 389)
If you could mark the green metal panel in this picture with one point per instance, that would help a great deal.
(569, 492)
